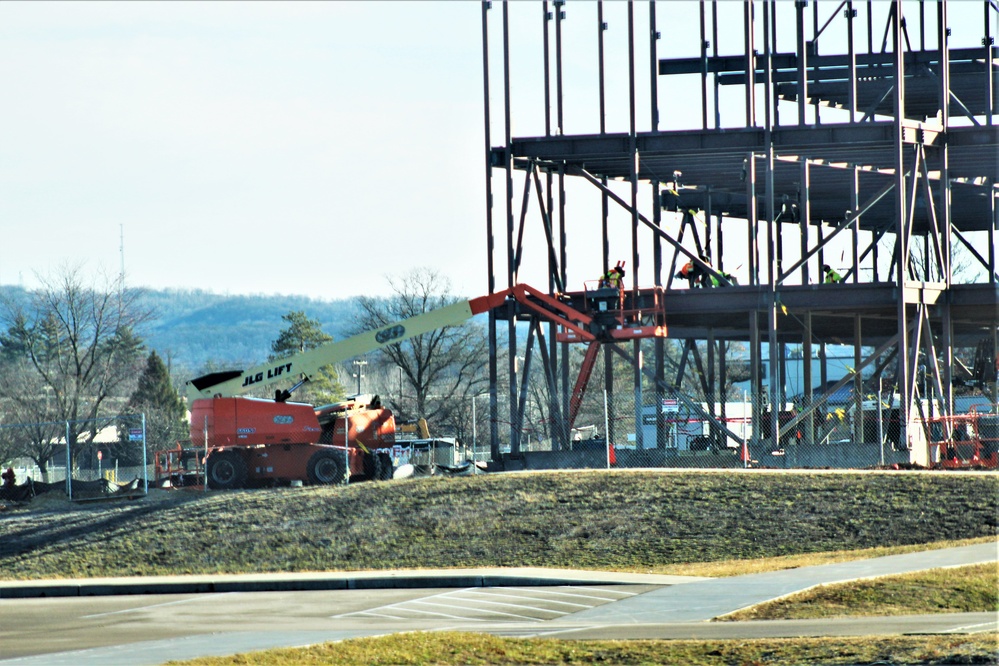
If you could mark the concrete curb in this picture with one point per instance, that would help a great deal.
(304, 582)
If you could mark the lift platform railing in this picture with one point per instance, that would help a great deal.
(964, 440)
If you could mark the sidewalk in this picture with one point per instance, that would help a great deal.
(349, 580)
(703, 600)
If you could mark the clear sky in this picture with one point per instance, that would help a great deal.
(243, 147)
(293, 148)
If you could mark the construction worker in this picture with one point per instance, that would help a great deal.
(831, 276)
(692, 273)
(728, 276)
(697, 276)
(614, 278)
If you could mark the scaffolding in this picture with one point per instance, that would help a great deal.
(885, 148)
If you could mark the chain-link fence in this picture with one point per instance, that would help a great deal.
(86, 459)
(674, 431)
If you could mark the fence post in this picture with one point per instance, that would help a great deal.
(607, 442)
(205, 465)
(346, 445)
(881, 427)
(145, 458)
(69, 467)
(746, 409)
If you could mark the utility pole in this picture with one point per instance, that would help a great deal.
(360, 373)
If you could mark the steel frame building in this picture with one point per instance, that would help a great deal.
(890, 145)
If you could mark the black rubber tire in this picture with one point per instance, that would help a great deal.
(372, 467)
(226, 470)
(325, 468)
(387, 470)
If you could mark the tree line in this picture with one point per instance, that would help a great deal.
(72, 352)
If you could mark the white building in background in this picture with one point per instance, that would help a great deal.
(839, 364)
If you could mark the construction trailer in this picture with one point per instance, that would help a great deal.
(771, 139)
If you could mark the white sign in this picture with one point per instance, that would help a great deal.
(671, 405)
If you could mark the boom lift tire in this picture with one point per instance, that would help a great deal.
(387, 470)
(226, 470)
(372, 467)
(325, 468)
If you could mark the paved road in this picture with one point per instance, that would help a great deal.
(210, 616)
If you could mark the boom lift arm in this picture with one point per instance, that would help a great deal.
(304, 365)
(577, 326)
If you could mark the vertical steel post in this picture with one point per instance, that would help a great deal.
(855, 230)
(851, 54)
(753, 246)
(858, 383)
(943, 209)
(633, 153)
(601, 26)
(777, 376)
(801, 48)
(607, 432)
(754, 373)
(559, 15)
(714, 53)
(490, 241)
(511, 319)
(712, 398)
(723, 380)
(902, 223)
(653, 67)
(806, 359)
(750, 58)
(545, 17)
(805, 213)
(704, 68)
(987, 41)
(870, 27)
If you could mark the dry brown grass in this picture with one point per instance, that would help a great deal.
(447, 649)
(637, 521)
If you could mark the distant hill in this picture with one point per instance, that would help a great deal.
(192, 328)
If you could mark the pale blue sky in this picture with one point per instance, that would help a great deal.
(248, 147)
(296, 148)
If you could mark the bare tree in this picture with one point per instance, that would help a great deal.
(442, 369)
(77, 342)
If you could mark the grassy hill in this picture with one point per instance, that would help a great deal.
(639, 521)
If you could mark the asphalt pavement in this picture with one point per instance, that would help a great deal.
(220, 615)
